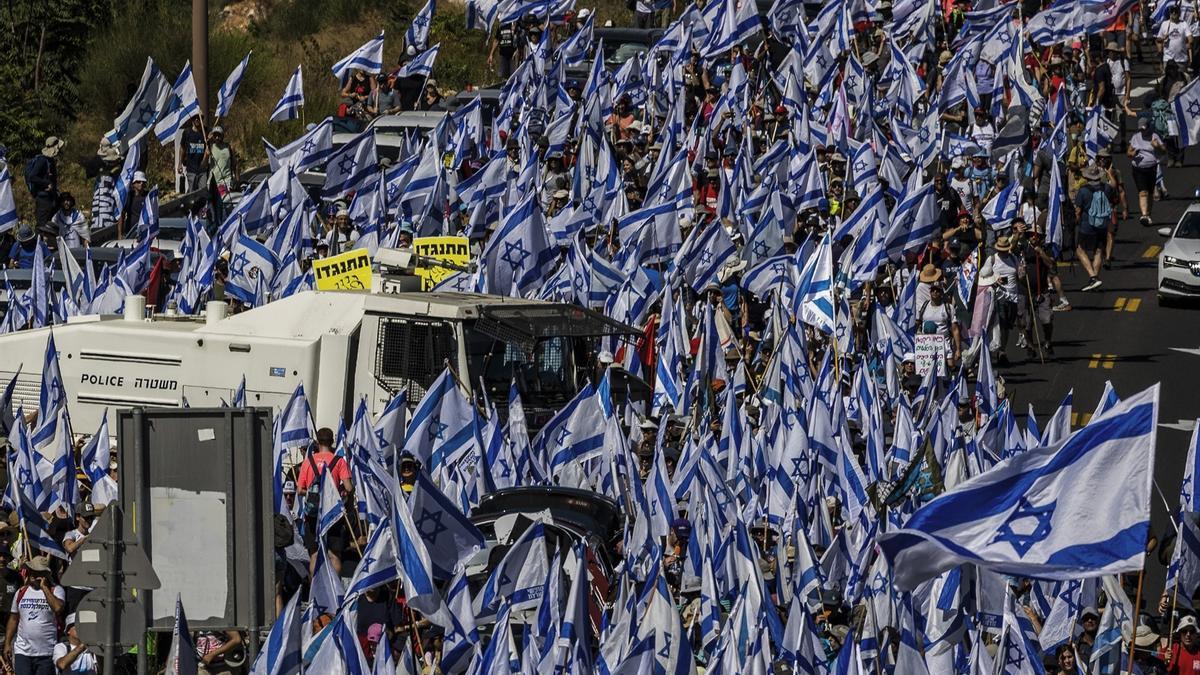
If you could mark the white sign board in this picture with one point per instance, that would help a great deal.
(930, 351)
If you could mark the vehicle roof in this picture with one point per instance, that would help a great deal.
(424, 119)
(646, 35)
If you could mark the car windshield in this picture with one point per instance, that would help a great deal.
(618, 53)
(1189, 227)
(546, 376)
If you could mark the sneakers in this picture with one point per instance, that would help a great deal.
(1021, 344)
(1145, 221)
(1093, 284)
(1061, 306)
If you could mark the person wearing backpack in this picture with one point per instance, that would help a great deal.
(41, 178)
(1144, 150)
(1093, 212)
(33, 624)
(308, 484)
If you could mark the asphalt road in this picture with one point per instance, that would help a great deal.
(1120, 334)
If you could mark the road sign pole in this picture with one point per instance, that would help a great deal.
(113, 588)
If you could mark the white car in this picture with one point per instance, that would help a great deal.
(1179, 262)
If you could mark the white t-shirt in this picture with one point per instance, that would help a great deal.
(37, 632)
(1174, 36)
(85, 663)
(1119, 67)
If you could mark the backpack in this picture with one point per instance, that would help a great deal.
(312, 496)
(1099, 211)
(33, 173)
(1160, 112)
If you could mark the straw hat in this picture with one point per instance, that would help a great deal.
(930, 274)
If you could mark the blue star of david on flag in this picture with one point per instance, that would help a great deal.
(437, 430)
(1026, 526)
(434, 521)
(515, 254)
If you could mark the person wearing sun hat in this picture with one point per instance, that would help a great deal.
(1184, 655)
(23, 252)
(32, 629)
(41, 177)
(1094, 205)
(1009, 271)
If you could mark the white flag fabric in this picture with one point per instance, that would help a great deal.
(1080, 508)
(143, 109)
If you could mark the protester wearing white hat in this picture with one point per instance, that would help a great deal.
(72, 656)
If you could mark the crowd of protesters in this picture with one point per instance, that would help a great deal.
(986, 279)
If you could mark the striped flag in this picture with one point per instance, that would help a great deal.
(292, 100)
(229, 89)
(368, 58)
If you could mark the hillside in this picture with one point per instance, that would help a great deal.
(103, 69)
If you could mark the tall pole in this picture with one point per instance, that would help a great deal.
(200, 53)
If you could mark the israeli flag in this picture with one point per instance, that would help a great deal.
(182, 107)
(182, 654)
(229, 88)
(124, 181)
(332, 509)
(292, 100)
(417, 36)
(350, 168)
(143, 109)
(442, 427)
(280, 654)
(367, 58)
(518, 581)
(8, 205)
(421, 64)
(1076, 509)
(249, 261)
(415, 566)
(448, 534)
(378, 564)
(311, 149)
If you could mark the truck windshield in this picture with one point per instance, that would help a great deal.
(545, 376)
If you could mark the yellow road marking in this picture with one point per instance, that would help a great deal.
(1133, 304)
(1119, 304)
(1105, 361)
(1152, 251)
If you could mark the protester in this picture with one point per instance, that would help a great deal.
(33, 623)
(72, 655)
(41, 178)
(814, 226)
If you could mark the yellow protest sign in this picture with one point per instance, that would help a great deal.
(456, 250)
(349, 271)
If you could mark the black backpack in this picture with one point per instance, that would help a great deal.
(33, 172)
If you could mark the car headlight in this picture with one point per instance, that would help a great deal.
(1172, 261)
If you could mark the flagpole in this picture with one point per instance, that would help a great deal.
(1033, 320)
(1137, 608)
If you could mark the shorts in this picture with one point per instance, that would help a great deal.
(1088, 240)
(1144, 177)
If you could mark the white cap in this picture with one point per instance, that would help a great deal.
(139, 176)
(1188, 621)
(605, 357)
(585, 13)
(909, 356)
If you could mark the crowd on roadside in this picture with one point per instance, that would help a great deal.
(833, 229)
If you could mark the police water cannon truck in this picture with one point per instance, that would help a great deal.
(343, 346)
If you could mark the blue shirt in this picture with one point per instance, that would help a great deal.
(23, 256)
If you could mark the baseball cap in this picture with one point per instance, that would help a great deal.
(289, 487)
